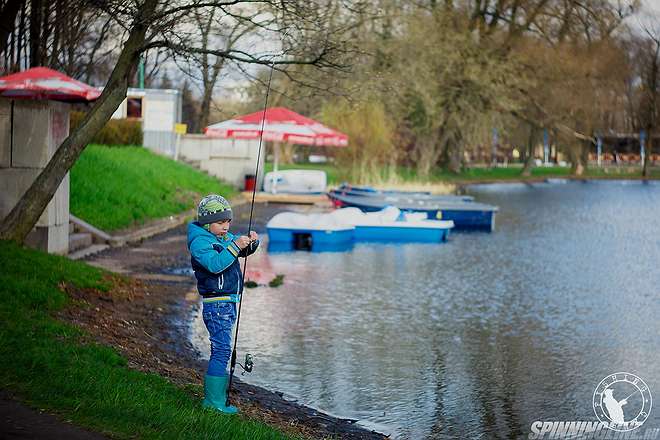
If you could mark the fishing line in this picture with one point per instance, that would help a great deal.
(248, 358)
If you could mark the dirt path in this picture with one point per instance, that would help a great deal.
(17, 421)
(146, 320)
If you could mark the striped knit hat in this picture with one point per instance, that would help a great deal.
(213, 208)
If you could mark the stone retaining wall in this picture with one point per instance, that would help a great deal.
(30, 133)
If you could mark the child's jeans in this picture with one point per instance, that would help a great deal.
(219, 318)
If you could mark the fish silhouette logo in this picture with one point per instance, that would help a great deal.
(622, 401)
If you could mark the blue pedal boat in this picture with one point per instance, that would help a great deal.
(289, 231)
(392, 225)
(465, 215)
(367, 191)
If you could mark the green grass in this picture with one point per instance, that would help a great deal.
(118, 187)
(407, 174)
(49, 365)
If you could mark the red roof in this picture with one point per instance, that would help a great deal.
(45, 83)
(279, 125)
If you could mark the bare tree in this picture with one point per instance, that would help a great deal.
(648, 59)
(217, 31)
(68, 35)
(8, 12)
(152, 24)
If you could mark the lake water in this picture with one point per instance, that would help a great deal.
(477, 337)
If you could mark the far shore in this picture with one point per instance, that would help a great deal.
(444, 182)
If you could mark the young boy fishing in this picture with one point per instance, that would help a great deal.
(214, 254)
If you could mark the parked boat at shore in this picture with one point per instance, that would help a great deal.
(368, 191)
(393, 225)
(465, 215)
(289, 231)
(337, 230)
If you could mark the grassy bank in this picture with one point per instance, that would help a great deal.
(409, 175)
(513, 173)
(114, 188)
(52, 365)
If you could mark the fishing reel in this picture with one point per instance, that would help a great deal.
(249, 363)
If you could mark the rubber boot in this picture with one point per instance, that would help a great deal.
(215, 394)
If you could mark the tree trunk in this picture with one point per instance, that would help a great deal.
(529, 159)
(578, 159)
(455, 158)
(35, 32)
(22, 218)
(45, 34)
(8, 15)
(287, 152)
(205, 109)
(426, 155)
(455, 149)
(57, 25)
(647, 155)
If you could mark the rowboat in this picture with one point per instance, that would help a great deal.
(367, 191)
(465, 215)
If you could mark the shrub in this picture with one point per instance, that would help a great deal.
(371, 154)
(115, 131)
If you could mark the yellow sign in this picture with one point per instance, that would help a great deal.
(438, 215)
(180, 128)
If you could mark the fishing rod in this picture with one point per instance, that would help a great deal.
(248, 357)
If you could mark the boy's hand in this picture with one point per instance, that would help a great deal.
(242, 242)
(253, 236)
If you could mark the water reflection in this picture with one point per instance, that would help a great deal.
(478, 337)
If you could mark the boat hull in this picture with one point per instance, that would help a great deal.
(393, 234)
(466, 220)
(466, 215)
(314, 240)
(413, 196)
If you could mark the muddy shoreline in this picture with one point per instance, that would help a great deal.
(146, 319)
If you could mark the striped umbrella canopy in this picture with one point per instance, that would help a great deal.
(45, 83)
(279, 125)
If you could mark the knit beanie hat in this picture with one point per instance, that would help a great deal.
(213, 208)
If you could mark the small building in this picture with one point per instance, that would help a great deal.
(158, 110)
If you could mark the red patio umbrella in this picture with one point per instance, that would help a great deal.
(280, 125)
(45, 83)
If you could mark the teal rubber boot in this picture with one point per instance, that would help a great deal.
(215, 394)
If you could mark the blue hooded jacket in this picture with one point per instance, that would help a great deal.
(215, 262)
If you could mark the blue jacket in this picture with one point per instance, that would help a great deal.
(215, 262)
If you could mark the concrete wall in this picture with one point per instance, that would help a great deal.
(161, 142)
(30, 133)
(227, 159)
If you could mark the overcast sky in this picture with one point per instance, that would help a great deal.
(649, 15)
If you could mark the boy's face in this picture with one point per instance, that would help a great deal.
(219, 228)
